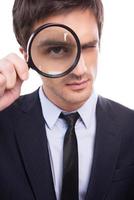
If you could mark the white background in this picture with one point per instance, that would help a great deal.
(115, 78)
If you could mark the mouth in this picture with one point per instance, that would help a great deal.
(78, 85)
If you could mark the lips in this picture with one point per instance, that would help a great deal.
(78, 85)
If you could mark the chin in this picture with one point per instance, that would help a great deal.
(79, 98)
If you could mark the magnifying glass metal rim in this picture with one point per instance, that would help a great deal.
(29, 45)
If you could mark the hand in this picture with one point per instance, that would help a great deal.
(13, 71)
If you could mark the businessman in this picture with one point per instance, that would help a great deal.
(63, 141)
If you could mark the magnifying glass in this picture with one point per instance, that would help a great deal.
(53, 50)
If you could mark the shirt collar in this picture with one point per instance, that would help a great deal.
(88, 111)
(51, 112)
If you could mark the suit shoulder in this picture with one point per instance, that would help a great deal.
(108, 103)
(23, 102)
(114, 108)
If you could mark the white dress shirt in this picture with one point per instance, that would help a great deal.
(85, 132)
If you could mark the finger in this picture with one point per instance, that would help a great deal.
(20, 66)
(8, 72)
(10, 95)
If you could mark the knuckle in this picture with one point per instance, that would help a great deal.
(9, 67)
(12, 65)
(18, 62)
(6, 65)
(11, 56)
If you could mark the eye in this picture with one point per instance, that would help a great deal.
(89, 47)
(58, 50)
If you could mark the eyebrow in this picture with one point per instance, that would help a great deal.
(53, 43)
(89, 44)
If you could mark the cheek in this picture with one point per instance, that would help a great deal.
(91, 61)
(90, 57)
(93, 71)
(51, 84)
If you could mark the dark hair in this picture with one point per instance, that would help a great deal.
(27, 12)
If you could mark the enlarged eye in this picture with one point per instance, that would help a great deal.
(58, 50)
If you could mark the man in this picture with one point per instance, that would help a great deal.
(32, 131)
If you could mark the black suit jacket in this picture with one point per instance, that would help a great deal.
(25, 172)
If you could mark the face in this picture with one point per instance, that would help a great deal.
(72, 91)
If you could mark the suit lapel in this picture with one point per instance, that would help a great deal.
(106, 149)
(32, 144)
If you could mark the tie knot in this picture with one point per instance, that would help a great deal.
(70, 118)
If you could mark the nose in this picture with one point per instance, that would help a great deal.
(81, 67)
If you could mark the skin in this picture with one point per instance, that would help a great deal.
(69, 92)
(72, 91)
(13, 71)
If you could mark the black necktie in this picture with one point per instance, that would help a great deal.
(70, 160)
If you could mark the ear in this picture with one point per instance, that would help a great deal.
(23, 52)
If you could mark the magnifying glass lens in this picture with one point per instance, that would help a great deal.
(54, 50)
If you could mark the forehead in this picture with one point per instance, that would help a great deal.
(83, 22)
